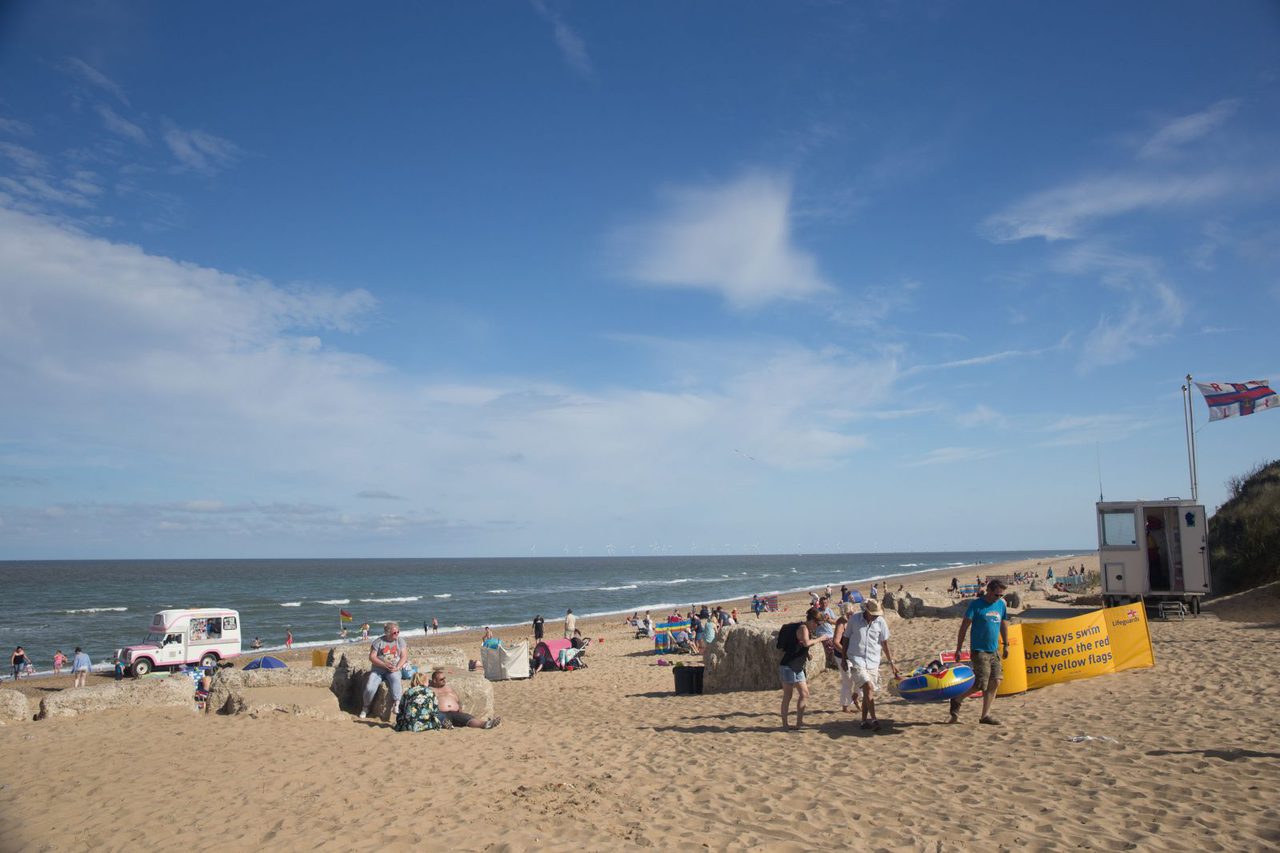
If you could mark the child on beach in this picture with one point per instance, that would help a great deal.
(59, 659)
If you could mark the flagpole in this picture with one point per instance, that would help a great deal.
(1190, 421)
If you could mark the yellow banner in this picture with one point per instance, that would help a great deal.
(1096, 643)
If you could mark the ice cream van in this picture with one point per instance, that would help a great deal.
(178, 637)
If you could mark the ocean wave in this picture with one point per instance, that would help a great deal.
(97, 610)
(498, 591)
(392, 599)
(443, 595)
(615, 588)
(334, 601)
(909, 565)
(677, 580)
(291, 604)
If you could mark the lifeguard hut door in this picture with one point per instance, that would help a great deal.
(1153, 549)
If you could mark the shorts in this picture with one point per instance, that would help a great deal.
(863, 676)
(457, 719)
(986, 666)
(790, 676)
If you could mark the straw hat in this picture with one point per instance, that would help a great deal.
(872, 607)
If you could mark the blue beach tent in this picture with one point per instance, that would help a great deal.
(266, 662)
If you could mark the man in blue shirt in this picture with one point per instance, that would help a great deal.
(989, 619)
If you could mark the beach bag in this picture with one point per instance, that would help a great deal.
(419, 711)
(787, 636)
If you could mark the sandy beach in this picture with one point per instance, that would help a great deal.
(1186, 756)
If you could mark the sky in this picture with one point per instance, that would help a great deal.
(569, 278)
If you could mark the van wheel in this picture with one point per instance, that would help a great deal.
(209, 661)
(1195, 605)
(141, 667)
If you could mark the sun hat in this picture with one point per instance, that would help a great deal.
(873, 607)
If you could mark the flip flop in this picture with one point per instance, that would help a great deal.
(492, 722)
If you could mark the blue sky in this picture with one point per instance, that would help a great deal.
(589, 278)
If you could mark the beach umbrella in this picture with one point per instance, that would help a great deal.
(266, 662)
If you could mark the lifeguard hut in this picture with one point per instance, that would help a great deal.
(1153, 550)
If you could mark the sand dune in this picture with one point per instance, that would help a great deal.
(608, 757)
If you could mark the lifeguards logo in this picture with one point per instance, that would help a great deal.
(1130, 617)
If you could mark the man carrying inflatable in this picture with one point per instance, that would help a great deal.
(989, 619)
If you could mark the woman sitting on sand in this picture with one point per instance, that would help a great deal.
(419, 711)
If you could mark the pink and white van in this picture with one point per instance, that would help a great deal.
(178, 637)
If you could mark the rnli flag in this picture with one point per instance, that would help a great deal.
(345, 616)
(1228, 399)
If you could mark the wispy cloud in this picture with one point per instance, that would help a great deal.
(1149, 311)
(200, 151)
(120, 125)
(952, 455)
(97, 79)
(732, 239)
(981, 415)
(378, 495)
(1063, 212)
(14, 127)
(571, 45)
(977, 360)
(1092, 429)
(1187, 129)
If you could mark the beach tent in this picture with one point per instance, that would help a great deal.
(855, 596)
(266, 662)
(561, 653)
(662, 634)
(503, 662)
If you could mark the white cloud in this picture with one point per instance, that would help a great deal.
(1188, 129)
(15, 127)
(733, 239)
(1149, 310)
(200, 151)
(951, 455)
(1064, 212)
(96, 78)
(1073, 430)
(121, 126)
(571, 45)
(981, 415)
(215, 392)
(22, 157)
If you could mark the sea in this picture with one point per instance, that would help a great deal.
(102, 605)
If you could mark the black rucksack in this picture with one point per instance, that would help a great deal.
(787, 636)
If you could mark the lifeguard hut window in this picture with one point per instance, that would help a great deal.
(1119, 529)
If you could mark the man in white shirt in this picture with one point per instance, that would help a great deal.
(865, 637)
(570, 623)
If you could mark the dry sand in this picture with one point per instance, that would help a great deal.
(608, 757)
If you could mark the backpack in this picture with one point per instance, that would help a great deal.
(787, 636)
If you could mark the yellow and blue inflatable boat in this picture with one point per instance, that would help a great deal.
(925, 686)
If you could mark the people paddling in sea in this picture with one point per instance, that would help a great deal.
(288, 639)
(20, 662)
(794, 640)
(59, 660)
(80, 666)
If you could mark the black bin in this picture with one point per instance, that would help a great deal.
(689, 680)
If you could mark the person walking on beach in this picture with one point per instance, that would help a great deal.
(570, 622)
(435, 625)
(538, 622)
(20, 662)
(756, 606)
(288, 638)
(387, 654)
(364, 632)
(989, 619)
(865, 637)
(59, 660)
(80, 666)
(794, 640)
